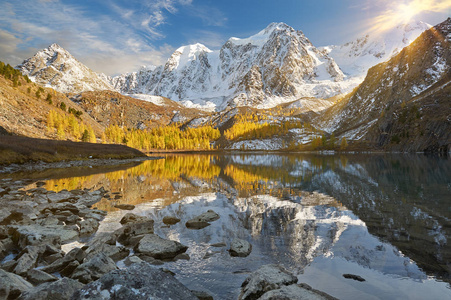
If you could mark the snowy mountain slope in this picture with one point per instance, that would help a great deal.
(277, 65)
(356, 57)
(55, 67)
(403, 103)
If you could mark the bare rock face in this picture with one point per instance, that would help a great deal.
(140, 282)
(57, 67)
(240, 248)
(267, 278)
(159, 248)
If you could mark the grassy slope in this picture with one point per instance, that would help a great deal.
(18, 149)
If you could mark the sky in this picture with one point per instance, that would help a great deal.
(119, 36)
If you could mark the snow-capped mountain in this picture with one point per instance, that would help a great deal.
(278, 64)
(356, 57)
(57, 68)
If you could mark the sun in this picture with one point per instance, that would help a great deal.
(404, 13)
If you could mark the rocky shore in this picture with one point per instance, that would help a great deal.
(40, 231)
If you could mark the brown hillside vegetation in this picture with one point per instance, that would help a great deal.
(112, 108)
(24, 108)
(16, 149)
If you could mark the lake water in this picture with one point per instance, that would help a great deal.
(386, 218)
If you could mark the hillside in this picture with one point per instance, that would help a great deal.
(403, 104)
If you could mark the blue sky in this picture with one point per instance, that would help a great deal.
(116, 36)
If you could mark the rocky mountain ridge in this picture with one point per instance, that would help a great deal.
(55, 67)
(403, 103)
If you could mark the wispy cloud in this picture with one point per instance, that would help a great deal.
(210, 16)
(107, 42)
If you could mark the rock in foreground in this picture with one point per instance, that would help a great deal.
(240, 248)
(139, 282)
(157, 247)
(202, 220)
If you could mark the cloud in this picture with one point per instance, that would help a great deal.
(396, 12)
(210, 16)
(105, 41)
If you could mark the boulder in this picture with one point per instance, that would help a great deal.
(132, 218)
(134, 229)
(75, 254)
(202, 220)
(114, 252)
(132, 260)
(62, 289)
(94, 268)
(42, 235)
(267, 278)
(37, 277)
(125, 206)
(240, 248)
(295, 292)
(88, 226)
(12, 285)
(138, 282)
(170, 220)
(27, 259)
(157, 247)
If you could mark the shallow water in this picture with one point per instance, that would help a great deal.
(386, 218)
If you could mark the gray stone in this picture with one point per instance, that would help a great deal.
(37, 277)
(114, 252)
(27, 259)
(58, 265)
(132, 218)
(62, 289)
(159, 248)
(134, 229)
(138, 282)
(42, 235)
(9, 265)
(265, 279)
(88, 226)
(6, 245)
(12, 285)
(240, 248)
(132, 260)
(94, 268)
(294, 292)
(168, 220)
(202, 220)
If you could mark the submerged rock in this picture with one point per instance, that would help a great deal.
(157, 247)
(240, 248)
(354, 277)
(125, 206)
(202, 220)
(295, 292)
(170, 220)
(138, 282)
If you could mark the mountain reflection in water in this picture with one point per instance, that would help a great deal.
(384, 217)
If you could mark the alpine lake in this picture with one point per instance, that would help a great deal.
(383, 217)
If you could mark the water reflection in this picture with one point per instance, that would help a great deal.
(386, 217)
